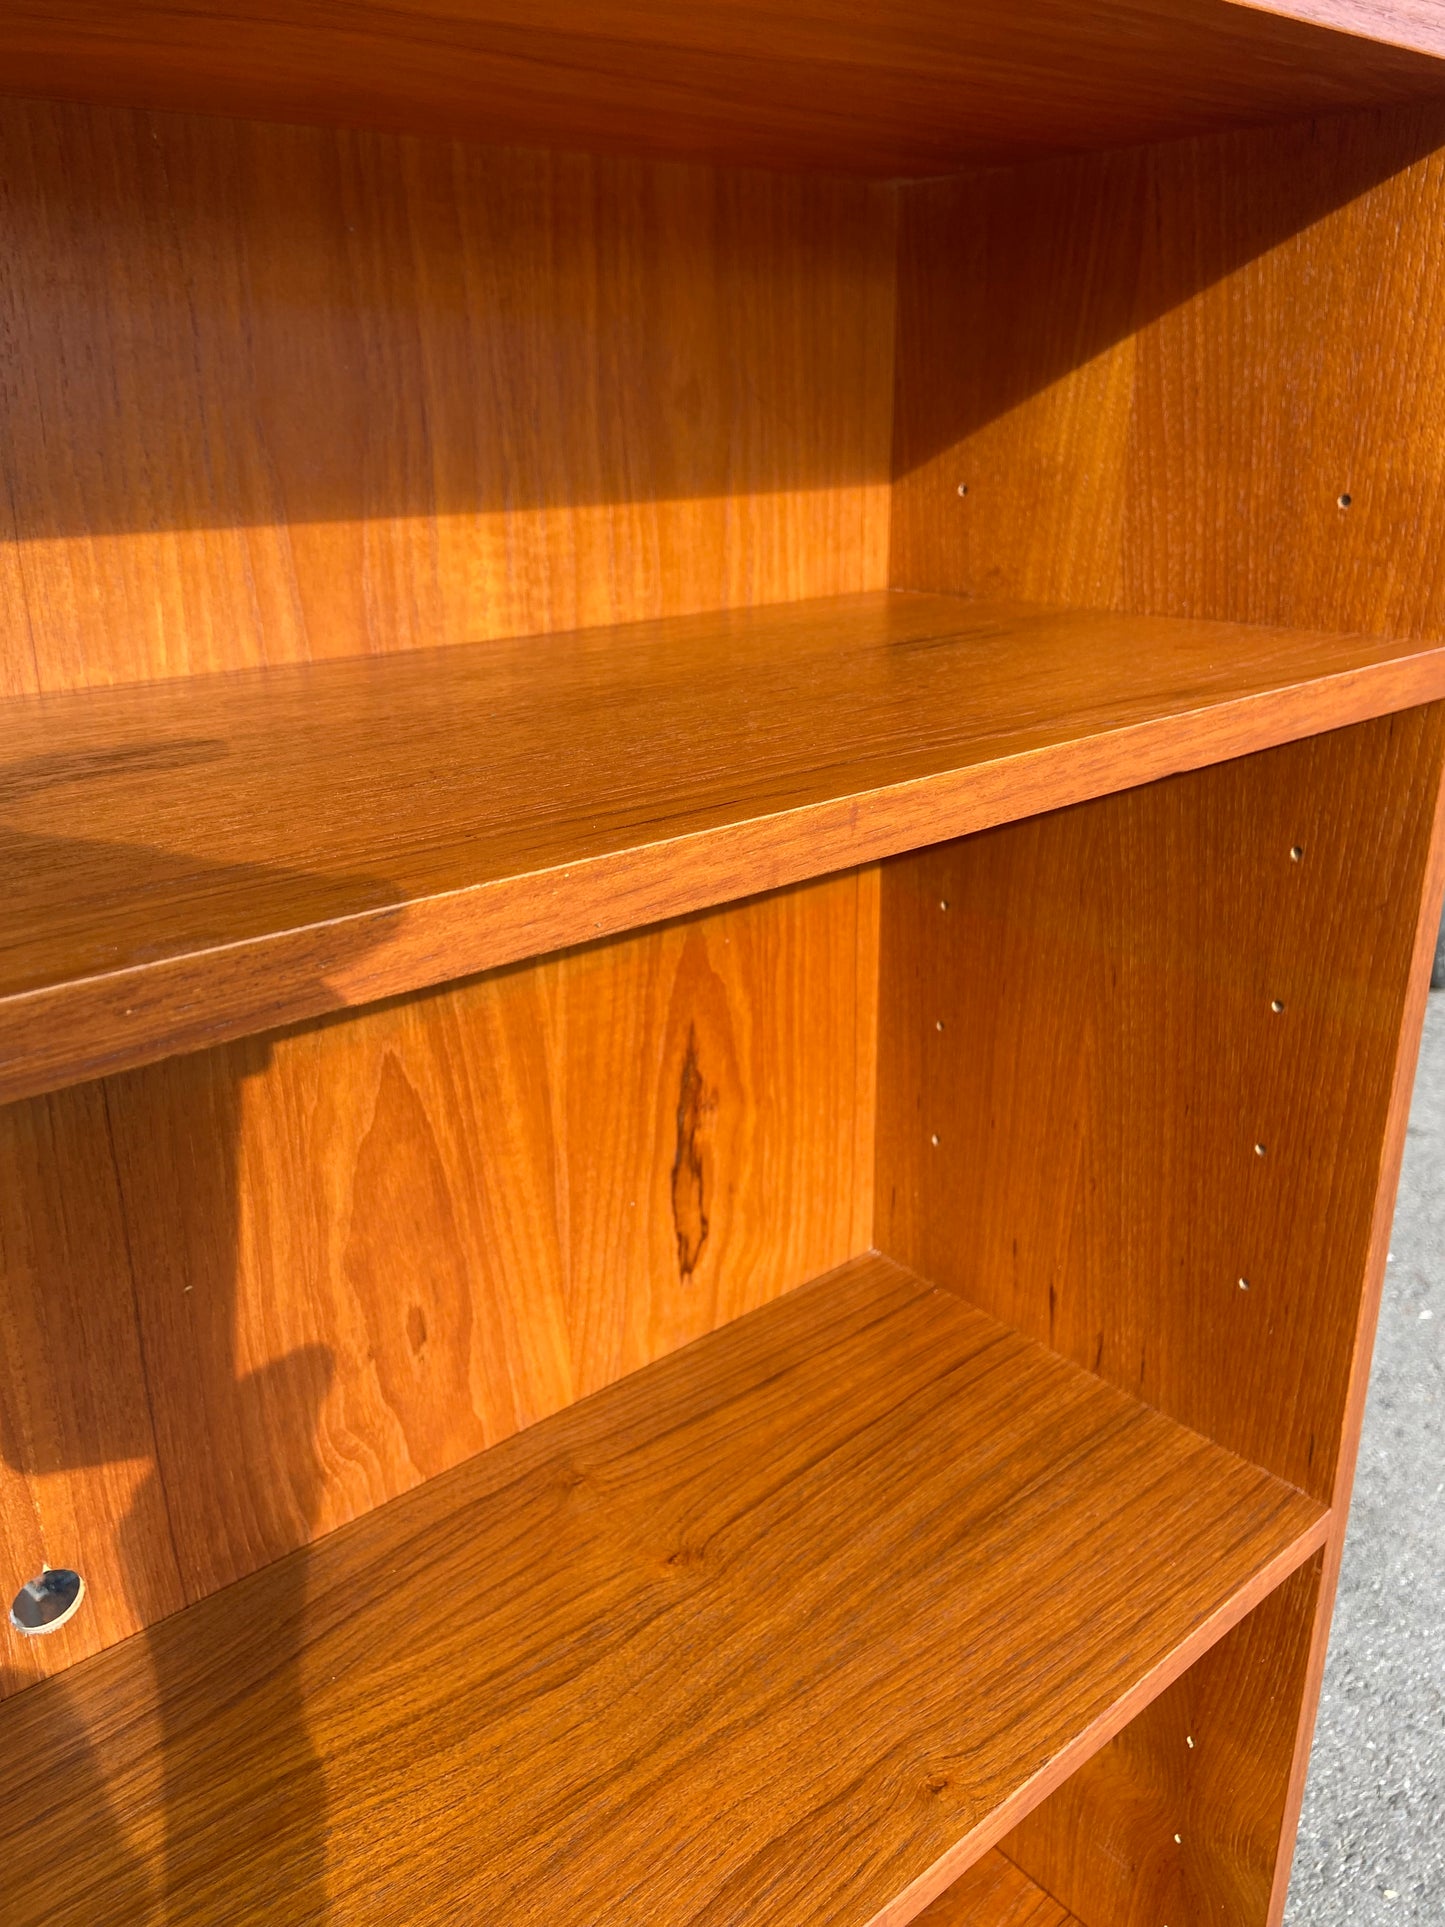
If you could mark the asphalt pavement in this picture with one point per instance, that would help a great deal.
(1372, 1841)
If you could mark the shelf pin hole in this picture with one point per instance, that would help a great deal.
(44, 1604)
(1275, 1005)
(963, 488)
(934, 1140)
(1296, 853)
(1259, 1150)
(938, 1025)
(943, 903)
(1345, 499)
(1243, 1286)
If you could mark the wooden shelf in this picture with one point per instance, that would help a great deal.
(481, 1515)
(914, 86)
(820, 1605)
(189, 861)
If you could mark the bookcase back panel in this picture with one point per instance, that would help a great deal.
(276, 393)
(249, 1294)
(1181, 360)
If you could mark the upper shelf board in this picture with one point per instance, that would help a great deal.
(897, 87)
(184, 862)
(784, 1629)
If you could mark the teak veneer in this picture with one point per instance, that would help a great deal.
(994, 1893)
(828, 1599)
(280, 843)
(717, 876)
(901, 87)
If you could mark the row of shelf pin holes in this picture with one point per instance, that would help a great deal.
(1296, 853)
(1276, 1005)
(1276, 1008)
(1343, 500)
(943, 905)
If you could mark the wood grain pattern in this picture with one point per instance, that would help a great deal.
(902, 86)
(273, 394)
(198, 859)
(1227, 408)
(1125, 957)
(993, 1893)
(866, 1511)
(345, 1259)
(1089, 1033)
(76, 1437)
(1180, 1818)
(1240, 331)
(1427, 928)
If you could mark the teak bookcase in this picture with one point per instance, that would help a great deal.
(720, 831)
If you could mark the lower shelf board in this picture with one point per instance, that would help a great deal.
(788, 1628)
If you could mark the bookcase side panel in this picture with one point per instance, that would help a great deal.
(1202, 380)
(1144, 1066)
(1180, 1817)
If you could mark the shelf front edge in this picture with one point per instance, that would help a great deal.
(866, 1501)
(88, 1027)
(938, 1878)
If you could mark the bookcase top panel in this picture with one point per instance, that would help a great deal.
(897, 87)
(187, 861)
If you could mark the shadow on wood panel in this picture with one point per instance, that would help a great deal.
(225, 324)
(131, 1895)
(81, 908)
(1041, 268)
(410, 1240)
(128, 1422)
(1179, 1818)
(126, 1866)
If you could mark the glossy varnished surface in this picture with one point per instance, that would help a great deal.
(273, 394)
(1154, 1046)
(903, 86)
(188, 861)
(248, 1294)
(1241, 331)
(800, 1617)
(1229, 407)
(993, 1893)
(1181, 1816)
